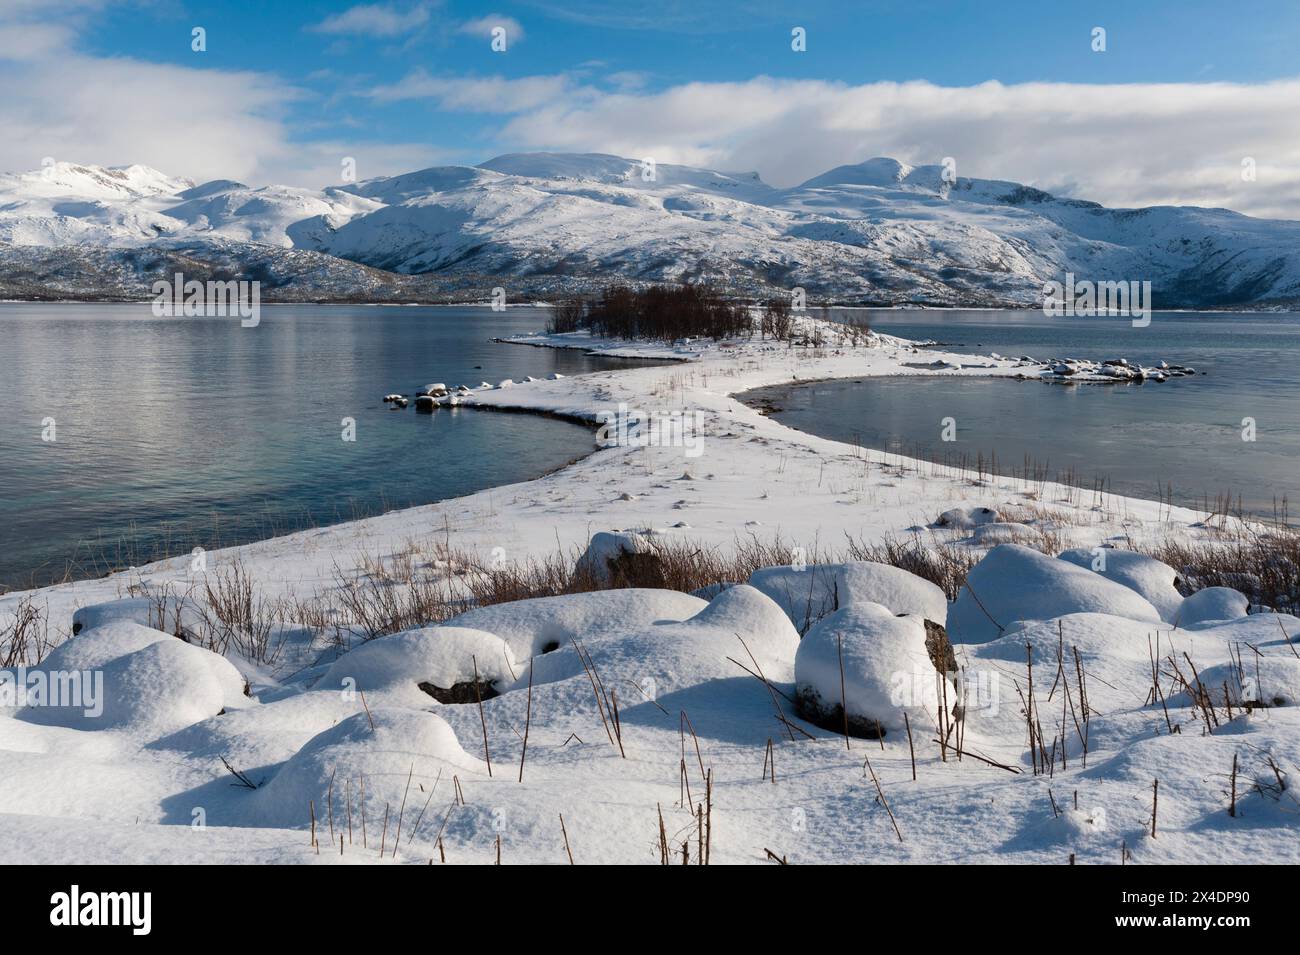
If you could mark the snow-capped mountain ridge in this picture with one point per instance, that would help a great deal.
(876, 232)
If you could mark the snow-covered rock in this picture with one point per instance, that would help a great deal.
(149, 692)
(611, 546)
(176, 614)
(414, 665)
(809, 593)
(1212, 604)
(693, 663)
(1154, 580)
(1269, 681)
(543, 624)
(886, 670)
(108, 640)
(1004, 532)
(385, 747)
(967, 518)
(1013, 583)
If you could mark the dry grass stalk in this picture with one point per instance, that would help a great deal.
(1155, 804)
(910, 747)
(883, 801)
(478, 696)
(780, 715)
(565, 832)
(528, 719)
(401, 812)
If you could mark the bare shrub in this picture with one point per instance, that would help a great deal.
(25, 637)
(566, 316)
(666, 313)
(1263, 566)
(940, 562)
(241, 614)
(776, 320)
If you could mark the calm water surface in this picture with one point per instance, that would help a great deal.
(1143, 439)
(174, 433)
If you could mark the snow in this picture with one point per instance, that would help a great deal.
(131, 785)
(1155, 581)
(111, 637)
(391, 668)
(886, 671)
(172, 612)
(537, 626)
(1272, 681)
(385, 748)
(1014, 583)
(150, 692)
(968, 517)
(854, 233)
(808, 593)
(607, 547)
(1212, 604)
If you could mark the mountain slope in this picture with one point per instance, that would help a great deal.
(877, 232)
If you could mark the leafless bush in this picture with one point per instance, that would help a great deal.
(378, 598)
(940, 562)
(1263, 566)
(25, 637)
(857, 328)
(776, 322)
(241, 614)
(567, 316)
(666, 313)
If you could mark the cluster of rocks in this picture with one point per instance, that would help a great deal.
(1112, 369)
(438, 394)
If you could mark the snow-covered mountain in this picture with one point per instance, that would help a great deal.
(878, 232)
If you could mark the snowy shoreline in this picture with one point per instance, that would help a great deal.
(180, 719)
(583, 399)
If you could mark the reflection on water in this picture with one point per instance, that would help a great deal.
(1142, 440)
(172, 433)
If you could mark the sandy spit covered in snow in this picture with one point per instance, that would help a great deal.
(698, 735)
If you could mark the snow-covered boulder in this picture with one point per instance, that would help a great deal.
(175, 614)
(607, 549)
(412, 666)
(1154, 580)
(94, 647)
(533, 627)
(1212, 604)
(150, 692)
(385, 747)
(1004, 532)
(1270, 681)
(886, 671)
(1014, 583)
(694, 665)
(967, 518)
(808, 594)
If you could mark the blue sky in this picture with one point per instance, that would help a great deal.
(402, 84)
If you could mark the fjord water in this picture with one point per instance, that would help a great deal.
(1143, 439)
(172, 433)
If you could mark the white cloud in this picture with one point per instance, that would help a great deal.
(376, 19)
(186, 121)
(490, 94)
(483, 27)
(1134, 144)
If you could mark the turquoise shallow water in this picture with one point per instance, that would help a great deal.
(1141, 439)
(174, 433)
